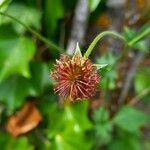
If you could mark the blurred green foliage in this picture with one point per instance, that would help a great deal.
(130, 119)
(109, 73)
(142, 81)
(25, 65)
(102, 126)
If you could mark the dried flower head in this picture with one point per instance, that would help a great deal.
(76, 77)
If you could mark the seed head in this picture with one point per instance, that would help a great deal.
(76, 77)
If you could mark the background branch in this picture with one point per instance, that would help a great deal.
(79, 25)
(130, 75)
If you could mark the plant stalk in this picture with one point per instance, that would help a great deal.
(39, 36)
(140, 36)
(99, 37)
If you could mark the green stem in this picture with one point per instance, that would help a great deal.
(99, 37)
(45, 40)
(140, 36)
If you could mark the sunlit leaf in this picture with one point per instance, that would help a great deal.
(67, 127)
(8, 142)
(93, 4)
(4, 4)
(15, 56)
(30, 16)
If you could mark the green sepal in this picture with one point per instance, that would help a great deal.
(100, 66)
(77, 50)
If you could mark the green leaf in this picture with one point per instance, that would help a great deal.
(52, 15)
(141, 34)
(15, 56)
(68, 126)
(136, 39)
(109, 73)
(142, 79)
(129, 33)
(39, 76)
(11, 143)
(22, 143)
(125, 141)
(102, 126)
(108, 58)
(28, 15)
(101, 115)
(93, 4)
(147, 144)
(100, 66)
(19, 87)
(142, 45)
(130, 119)
(77, 51)
(4, 4)
(14, 90)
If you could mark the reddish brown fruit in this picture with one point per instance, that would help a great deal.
(76, 77)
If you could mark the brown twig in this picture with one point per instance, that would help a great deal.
(130, 75)
(79, 25)
(137, 98)
(116, 12)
